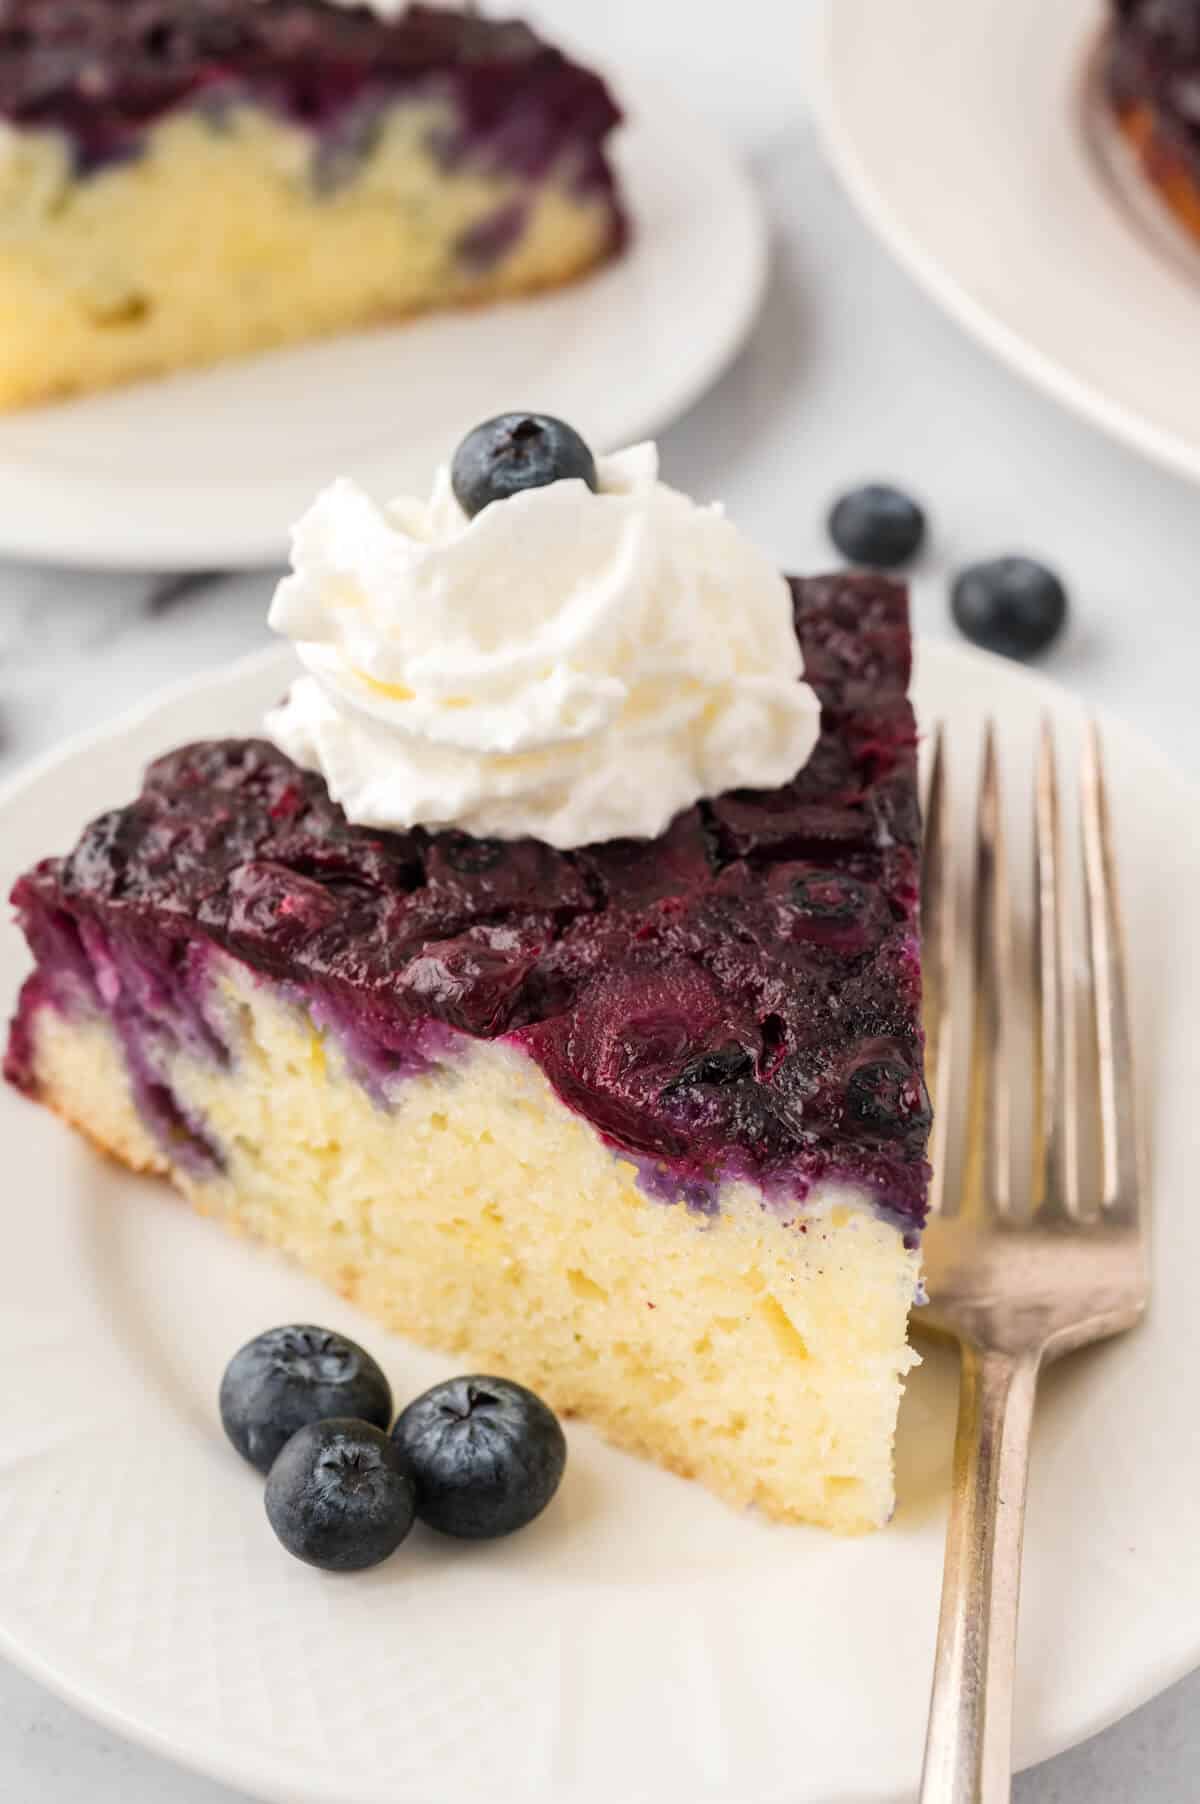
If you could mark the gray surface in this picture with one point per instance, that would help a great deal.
(851, 374)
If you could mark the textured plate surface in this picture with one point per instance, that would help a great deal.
(1044, 245)
(641, 1642)
(208, 470)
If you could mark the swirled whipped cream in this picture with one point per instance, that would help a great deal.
(566, 665)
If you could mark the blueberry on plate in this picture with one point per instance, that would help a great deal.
(486, 1456)
(1012, 605)
(877, 525)
(288, 1377)
(340, 1496)
(517, 451)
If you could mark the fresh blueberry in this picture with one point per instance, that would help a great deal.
(517, 451)
(877, 525)
(288, 1377)
(1011, 605)
(340, 1495)
(486, 1455)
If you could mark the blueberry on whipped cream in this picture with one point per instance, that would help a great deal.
(566, 665)
(515, 452)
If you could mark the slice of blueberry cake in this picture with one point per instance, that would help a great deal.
(1153, 75)
(637, 1118)
(188, 180)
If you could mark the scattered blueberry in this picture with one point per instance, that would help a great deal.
(1011, 605)
(517, 451)
(877, 525)
(486, 1455)
(340, 1495)
(288, 1377)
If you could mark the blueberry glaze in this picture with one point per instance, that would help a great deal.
(738, 997)
(103, 71)
(1152, 67)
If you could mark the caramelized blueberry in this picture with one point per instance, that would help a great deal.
(723, 1065)
(471, 856)
(888, 1098)
(830, 896)
(471, 983)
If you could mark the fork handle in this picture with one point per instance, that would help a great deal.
(968, 1745)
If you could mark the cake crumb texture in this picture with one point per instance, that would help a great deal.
(760, 1352)
(235, 230)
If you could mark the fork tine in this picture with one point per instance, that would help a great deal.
(938, 934)
(1114, 1038)
(991, 1111)
(1055, 1136)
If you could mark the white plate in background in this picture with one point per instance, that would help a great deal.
(974, 140)
(208, 470)
(641, 1642)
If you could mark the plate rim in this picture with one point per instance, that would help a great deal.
(246, 1770)
(651, 107)
(1009, 345)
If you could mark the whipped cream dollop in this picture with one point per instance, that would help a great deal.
(569, 665)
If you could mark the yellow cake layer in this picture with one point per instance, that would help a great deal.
(478, 1214)
(216, 242)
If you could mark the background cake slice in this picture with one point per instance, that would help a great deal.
(641, 1124)
(188, 180)
(1152, 68)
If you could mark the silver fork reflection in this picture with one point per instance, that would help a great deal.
(1021, 1265)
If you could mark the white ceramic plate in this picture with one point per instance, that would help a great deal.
(972, 139)
(641, 1642)
(209, 470)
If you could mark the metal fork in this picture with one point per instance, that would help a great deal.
(1021, 1265)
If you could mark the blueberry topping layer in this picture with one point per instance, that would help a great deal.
(104, 70)
(740, 997)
